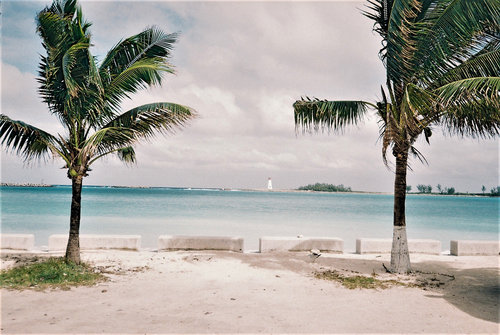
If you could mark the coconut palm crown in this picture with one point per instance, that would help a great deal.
(86, 95)
(442, 61)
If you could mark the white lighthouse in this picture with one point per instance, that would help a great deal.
(269, 184)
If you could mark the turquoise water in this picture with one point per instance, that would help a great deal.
(157, 211)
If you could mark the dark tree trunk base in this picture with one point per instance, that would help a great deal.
(73, 247)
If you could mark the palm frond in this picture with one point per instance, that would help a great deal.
(331, 115)
(418, 110)
(127, 155)
(146, 120)
(105, 140)
(150, 43)
(68, 63)
(26, 140)
(138, 75)
(391, 135)
(401, 44)
(51, 78)
(68, 77)
(151, 47)
(416, 153)
(379, 11)
(54, 20)
(469, 90)
(485, 64)
(64, 7)
(454, 31)
(142, 122)
(474, 119)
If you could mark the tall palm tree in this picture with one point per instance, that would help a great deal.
(86, 96)
(442, 63)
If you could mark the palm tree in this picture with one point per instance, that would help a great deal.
(442, 63)
(86, 95)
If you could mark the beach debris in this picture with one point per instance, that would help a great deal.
(315, 253)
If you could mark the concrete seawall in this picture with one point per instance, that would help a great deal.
(474, 248)
(228, 243)
(287, 243)
(91, 242)
(17, 241)
(26, 242)
(380, 246)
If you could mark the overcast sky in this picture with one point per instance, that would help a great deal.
(241, 65)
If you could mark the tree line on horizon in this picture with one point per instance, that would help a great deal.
(427, 189)
(323, 187)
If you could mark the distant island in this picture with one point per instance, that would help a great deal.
(25, 185)
(427, 190)
(323, 187)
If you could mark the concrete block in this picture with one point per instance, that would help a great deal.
(382, 245)
(324, 244)
(373, 245)
(92, 242)
(474, 248)
(228, 243)
(17, 241)
(424, 246)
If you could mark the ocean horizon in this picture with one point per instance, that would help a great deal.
(251, 214)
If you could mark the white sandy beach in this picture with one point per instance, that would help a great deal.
(223, 292)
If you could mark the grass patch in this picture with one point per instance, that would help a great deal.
(352, 282)
(51, 272)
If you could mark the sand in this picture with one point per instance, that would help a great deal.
(223, 292)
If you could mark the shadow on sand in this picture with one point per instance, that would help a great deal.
(476, 292)
(473, 291)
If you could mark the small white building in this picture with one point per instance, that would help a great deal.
(269, 184)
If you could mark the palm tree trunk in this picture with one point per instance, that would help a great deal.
(73, 248)
(400, 257)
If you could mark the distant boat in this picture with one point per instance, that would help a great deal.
(269, 184)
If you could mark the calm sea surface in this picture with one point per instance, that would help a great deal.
(157, 211)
